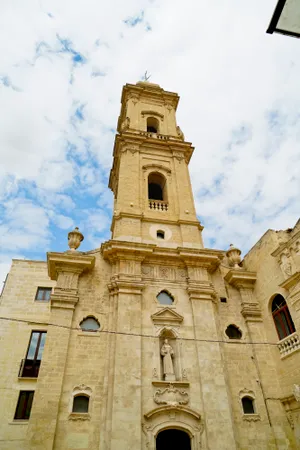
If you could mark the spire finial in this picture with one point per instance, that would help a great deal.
(146, 77)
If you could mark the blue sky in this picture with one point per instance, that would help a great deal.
(62, 68)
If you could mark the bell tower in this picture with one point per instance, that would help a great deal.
(150, 178)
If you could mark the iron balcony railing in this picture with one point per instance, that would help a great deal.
(29, 368)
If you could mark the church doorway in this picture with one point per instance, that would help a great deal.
(173, 440)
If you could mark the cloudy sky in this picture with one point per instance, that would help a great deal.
(62, 67)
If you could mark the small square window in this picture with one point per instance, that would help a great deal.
(43, 294)
(223, 299)
(24, 405)
(160, 234)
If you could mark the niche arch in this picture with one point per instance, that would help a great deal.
(172, 417)
(157, 186)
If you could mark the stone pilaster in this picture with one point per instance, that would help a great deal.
(244, 281)
(124, 405)
(66, 269)
(215, 399)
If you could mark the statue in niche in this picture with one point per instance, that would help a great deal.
(167, 356)
(286, 265)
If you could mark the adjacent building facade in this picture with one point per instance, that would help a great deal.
(153, 341)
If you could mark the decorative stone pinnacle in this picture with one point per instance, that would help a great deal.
(74, 239)
(234, 256)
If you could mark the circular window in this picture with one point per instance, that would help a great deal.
(233, 332)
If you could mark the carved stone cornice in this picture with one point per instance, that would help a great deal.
(241, 278)
(251, 312)
(201, 290)
(114, 250)
(167, 316)
(66, 268)
(64, 298)
(291, 282)
(206, 258)
(132, 286)
(244, 281)
(73, 262)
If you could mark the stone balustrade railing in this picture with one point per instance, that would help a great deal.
(155, 135)
(289, 345)
(158, 205)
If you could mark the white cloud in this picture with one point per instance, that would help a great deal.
(229, 73)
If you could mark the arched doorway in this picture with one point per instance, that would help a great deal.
(173, 440)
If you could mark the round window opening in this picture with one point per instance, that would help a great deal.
(233, 332)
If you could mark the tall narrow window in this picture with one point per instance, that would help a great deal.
(152, 125)
(81, 404)
(43, 294)
(248, 405)
(283, 322)
(24, 405)
(30, 366)
(156, 187)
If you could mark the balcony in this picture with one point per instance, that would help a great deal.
(158, 205)
(29, 368)
(288, 345)
(150, 134)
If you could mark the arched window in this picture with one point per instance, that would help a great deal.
(233, 332)
(89, 324)
(283, 322)
(156, 186)
(81, 404)
(248, 405)
(152, 125)
(165, 298)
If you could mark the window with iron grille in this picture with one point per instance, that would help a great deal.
(24, 405)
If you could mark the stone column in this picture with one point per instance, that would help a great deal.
(66, 269)
(215, 399)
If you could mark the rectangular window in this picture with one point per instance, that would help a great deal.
(30, 366)
(24, 405)
(43, 294)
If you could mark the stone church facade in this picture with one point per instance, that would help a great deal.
(153, 341)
